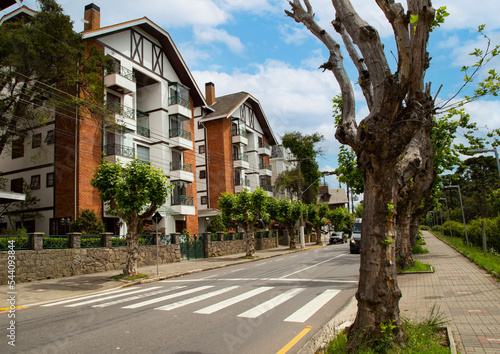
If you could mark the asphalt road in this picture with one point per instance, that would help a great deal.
(257, 307)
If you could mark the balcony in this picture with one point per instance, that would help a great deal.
(241, 184)
(240, 160)
(264, 149)
(120, 79)
(143, 131)
(182, 204)
(113, 150)
(180, 138)
(179, 105)
(269, 189)
(239, 136)
(181, 172)
(265, 169)
(121, 112)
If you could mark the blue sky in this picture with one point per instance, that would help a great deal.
(250, 45)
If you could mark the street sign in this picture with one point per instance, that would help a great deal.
(157, 218)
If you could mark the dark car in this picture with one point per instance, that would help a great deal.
(337, 237)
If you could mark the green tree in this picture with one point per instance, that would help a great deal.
(287, 213)
(217, 224)
(288, 181)
(132, 192)
(304, 148)
(43, 62)
(316, 215)
(245, 210)
(88, 223)
(340, 219)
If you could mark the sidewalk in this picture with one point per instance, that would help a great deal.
(467, 295)
(38, 292)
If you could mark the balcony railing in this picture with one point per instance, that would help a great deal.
(120, 70)
(179, 132)
(242, 182)
(264, 145)
(240, 156)
(122, 110)
(239, 131)
(182, 200)
(118, 149)
(267, 188)
(179, 166)
(264, 166)
(143, 131)
(179, 100)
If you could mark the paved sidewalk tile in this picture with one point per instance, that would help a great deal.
(465, 294)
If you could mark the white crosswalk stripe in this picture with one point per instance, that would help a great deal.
(270, 304)
(87, 297)
(234, 300)
(138, 297)
(181, 303)
(309, 309)
(167, 297)
(153, 293)
(110, 297)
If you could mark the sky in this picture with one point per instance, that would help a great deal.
(251, 46)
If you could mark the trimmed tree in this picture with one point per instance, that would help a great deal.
(287, 213)
(132, 192)
(244, 209)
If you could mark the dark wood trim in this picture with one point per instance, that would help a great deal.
(27, 169)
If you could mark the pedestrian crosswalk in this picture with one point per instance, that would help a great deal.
(256, 301)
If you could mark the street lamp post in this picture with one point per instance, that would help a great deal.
(449, 222)
(463, 215)
(494, 150)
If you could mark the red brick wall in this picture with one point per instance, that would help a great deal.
(191, 190)
(220, 160)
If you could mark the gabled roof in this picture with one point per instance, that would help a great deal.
(20, 13)
(6, 3)
(224, 107)
(168, 46)
(334, 196)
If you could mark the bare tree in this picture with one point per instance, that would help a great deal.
(400, 106)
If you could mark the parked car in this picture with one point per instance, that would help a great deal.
(355, 244)
(338, 236)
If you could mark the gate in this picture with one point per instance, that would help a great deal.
(192, 247)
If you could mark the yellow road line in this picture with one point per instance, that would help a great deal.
(8, 308)
(294, 341)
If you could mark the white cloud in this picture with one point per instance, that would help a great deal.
(211, 35)
(469, 14)
(294, 35)
(292, 99)
(166, 13)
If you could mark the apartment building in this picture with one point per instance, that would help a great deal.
(281, 161)
(233, 148)
(153, 98)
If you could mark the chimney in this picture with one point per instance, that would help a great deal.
(92, 17)
(210, 93)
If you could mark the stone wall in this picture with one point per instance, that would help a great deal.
(56, 263)
(225, 248)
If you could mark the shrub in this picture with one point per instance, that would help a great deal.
(87, 223)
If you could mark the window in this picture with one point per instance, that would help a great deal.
(201, 149)
(50, 138)
(50, 179)
(202, 174)
(17, 148)
(203, 200)
(37, 140)
(35, 182)
(143, 154)
(16, 185)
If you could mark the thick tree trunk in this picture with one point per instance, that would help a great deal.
(378, 293)
(404, 249)
(318, 234)
(414, 228)
(291, 235)
(250, 241)
(132, 248)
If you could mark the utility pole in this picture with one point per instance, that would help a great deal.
(301, 227)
